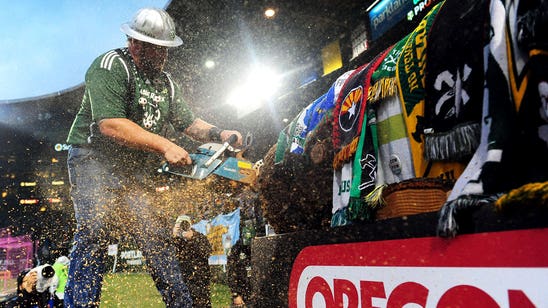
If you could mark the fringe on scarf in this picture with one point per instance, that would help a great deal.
(374, 199)
(358, 210)
(456, 144)
(382, 89)
(447, 223)
(345, 154)
(532, 194)
(364, 209)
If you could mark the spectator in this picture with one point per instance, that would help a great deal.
(61, 271)
(193, 251)
(239, 270)
(32, 293)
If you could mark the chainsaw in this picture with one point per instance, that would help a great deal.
(210, 159)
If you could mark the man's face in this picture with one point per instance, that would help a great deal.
(185, 226)
(148, 57)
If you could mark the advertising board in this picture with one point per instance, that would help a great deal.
(490, 269)
(387, 13)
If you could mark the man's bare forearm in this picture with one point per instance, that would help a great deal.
(128, 133)
(199, 130)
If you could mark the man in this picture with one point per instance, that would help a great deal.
(27, 293)
(128, 101)
(193, 251)
(239, 273)
(238, 269)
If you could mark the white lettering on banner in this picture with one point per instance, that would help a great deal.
(359, 40)
(388, 11)
(393, 286)
(134, 262)
(419, 7)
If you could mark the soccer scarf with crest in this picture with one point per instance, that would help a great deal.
(410, 76)
(394, 159)
(349, 112)
(293, 137)
(355, 141)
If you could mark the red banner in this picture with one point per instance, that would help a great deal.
(495, 269)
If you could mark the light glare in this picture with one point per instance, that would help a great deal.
(209, 64)
(269, 13)
(261, 84)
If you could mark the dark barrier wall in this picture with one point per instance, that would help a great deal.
(273, 256)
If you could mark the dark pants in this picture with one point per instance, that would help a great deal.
(102, 199)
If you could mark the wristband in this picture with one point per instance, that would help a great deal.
(214, 133)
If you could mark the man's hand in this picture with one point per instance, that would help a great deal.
(200, 130)
(176, 230)
(187, 235)
(29, 281)
(130, 134)
(177, 156)
(225, 134)
(238, 301)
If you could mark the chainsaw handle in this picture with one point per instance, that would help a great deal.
(233, 138)
(166, 168)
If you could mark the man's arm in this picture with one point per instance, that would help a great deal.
(128, 133)
(201, 130)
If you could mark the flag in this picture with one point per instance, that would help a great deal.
(223, 232)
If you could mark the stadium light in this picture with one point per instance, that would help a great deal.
(209, 64)
(269, 13)
(260, 85)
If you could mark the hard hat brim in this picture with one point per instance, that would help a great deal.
(177, 41)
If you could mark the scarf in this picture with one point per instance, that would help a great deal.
(350, 109)
(411, 85)
(294, 136)
(394, 162)
(514, 140)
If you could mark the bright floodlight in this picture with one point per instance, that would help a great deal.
(260, 85)
(209, 64)
(269, 13)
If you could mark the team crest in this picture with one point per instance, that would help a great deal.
(350, 109)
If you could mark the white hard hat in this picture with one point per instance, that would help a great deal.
(154, 26)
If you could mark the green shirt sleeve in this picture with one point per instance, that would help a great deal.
(107, 87)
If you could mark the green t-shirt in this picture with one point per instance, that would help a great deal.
(109, 81)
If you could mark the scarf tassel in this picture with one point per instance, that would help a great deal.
(447, 222)
(456, 144)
